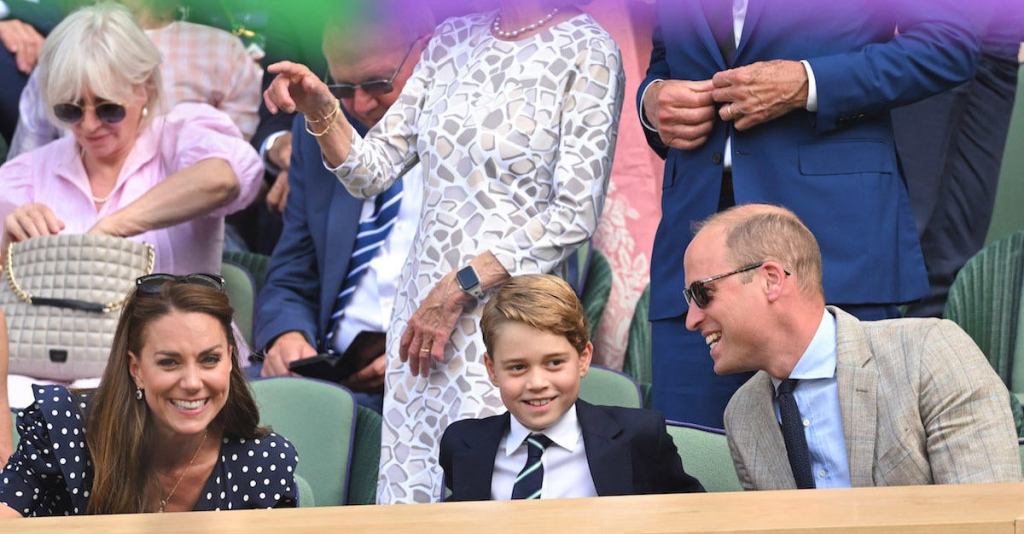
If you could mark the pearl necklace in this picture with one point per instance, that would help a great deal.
(511, 34)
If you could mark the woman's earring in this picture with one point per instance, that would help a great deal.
(145, 111)
(138, 393)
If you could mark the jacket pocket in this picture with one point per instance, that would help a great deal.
(846, 157)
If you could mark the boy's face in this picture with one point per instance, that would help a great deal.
(538, 373)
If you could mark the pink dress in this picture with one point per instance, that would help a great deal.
(53, 175)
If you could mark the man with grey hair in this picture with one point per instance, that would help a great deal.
(836, 402)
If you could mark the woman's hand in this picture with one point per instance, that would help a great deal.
(431, 325)
(31, 220)
(296, 88)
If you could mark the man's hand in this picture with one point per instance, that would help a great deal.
(682, 111)
(277, 197)
(288, 347)
(23, 41)
(369, 379)
(280, 153)
(760, 92)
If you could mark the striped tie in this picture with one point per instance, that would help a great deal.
(373, 230)
(531, 478)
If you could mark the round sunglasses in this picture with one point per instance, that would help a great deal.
(108, 112)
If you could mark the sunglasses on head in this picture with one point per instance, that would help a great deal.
(108, 112)
(152, 283)
(698, 294)
(372, 87)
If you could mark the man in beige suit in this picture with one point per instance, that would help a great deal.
(837, 402)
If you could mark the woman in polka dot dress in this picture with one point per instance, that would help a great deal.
(172, 426)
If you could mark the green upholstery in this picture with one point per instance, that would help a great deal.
(306, 499)
(1007, 217)
(705, 455)
(362, 484)
(254, 264)
(598, 288)
(610, 388)
(242, 295)
(1020, 449)
(319, 419)
(637, 362)
(14, 429)
(985, 300)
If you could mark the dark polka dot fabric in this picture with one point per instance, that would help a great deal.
(51, 472)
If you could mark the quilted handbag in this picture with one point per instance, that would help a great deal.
(63, 298)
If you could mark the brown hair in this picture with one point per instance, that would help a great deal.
(540, 301)
(757, 232)
(118, 426)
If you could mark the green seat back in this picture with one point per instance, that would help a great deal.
(597, 290)
(705, 455)
(609, 388)
(985, 300)
(1020, 450)
(306, 498)
(14, 429)
(254, 264)
(319, 419)
(637, 361)
(362, 484)
(240, 291)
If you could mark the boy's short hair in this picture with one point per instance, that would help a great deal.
(540, 301)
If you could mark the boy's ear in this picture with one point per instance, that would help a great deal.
(585, 357)
(489, 363)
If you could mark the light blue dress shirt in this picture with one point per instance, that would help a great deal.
(817, 396)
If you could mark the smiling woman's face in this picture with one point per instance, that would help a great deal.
(104, 141)
(185, 371)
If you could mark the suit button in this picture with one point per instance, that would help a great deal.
(716, 158)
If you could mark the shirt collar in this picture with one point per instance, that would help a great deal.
(565, 433)
(819, 360)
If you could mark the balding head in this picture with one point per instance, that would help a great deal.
(757, 232)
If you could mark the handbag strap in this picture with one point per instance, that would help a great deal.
(24, 296)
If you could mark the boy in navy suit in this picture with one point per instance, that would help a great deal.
(550, 444)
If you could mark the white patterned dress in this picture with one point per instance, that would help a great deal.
(515, 140)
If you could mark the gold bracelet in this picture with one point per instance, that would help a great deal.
(330, 116)
(318, 134)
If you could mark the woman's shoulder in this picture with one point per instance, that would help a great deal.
(457, 30)
(588, 33)
(271, 449)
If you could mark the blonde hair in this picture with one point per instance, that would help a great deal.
(540, 301)
(101, 48)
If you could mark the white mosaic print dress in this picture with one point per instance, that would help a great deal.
(515, 140)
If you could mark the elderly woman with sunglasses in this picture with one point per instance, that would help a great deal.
(172, 427)
(128, 170)
(512, 116)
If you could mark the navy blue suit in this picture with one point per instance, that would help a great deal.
(628, 450)
(311, 258)
(836, 168)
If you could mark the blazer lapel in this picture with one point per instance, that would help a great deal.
(754, 10)
(609, 458)
(857, 379)
(774, 472)
(477, 462)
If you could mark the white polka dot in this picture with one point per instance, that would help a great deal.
(273, 467)
(283, 456)
(277, 496)
(266, 481)
(251, 453)
(256, 441)
(54, 413)
(18, 494)
(234, 487)
(284, 482)
(63, 461)
(229, 475)
(245, 469)
(85, 493)
(71, 475)
(55, 447)
(74, 491)
(263, 495)
(209, 495)
(252, 483)
(234, 457)
(245, 497)
(222, 495)
(259, 468)
(273, 444)
(266, 454)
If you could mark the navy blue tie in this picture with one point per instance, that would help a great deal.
(531, 478)
(793, 435)
(373, 230)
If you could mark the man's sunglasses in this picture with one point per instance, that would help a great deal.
(372, 87)
(153, 283)
(698, 293)
(108, 112)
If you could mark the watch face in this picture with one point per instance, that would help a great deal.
(466, 277)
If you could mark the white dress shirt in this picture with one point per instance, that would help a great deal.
(566, 471)
(739, 14)
(374, 297)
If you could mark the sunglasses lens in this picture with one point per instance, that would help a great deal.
(342, 91)
(697, 294)
(111, 113)
(382, 87)
(68, 113)
(203, 279)
(151, 283)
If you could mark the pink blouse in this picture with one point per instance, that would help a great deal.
(54, 175)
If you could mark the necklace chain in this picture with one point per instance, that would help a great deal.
(165, 500)
(496, 25)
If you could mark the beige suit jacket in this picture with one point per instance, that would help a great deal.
(920, 405)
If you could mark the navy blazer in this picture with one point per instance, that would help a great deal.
(311, 258)
(628, 449)
(836, 168)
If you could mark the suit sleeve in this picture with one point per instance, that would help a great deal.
(936, 48)
(737, 459)
(658, 70)
(668, 472)
(445, 459)
(289, 300)
(969, 429)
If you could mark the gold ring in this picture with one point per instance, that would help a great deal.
(425, 350)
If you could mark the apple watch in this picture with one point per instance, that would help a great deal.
(469, 282)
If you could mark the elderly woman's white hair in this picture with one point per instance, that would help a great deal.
(103, 49)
